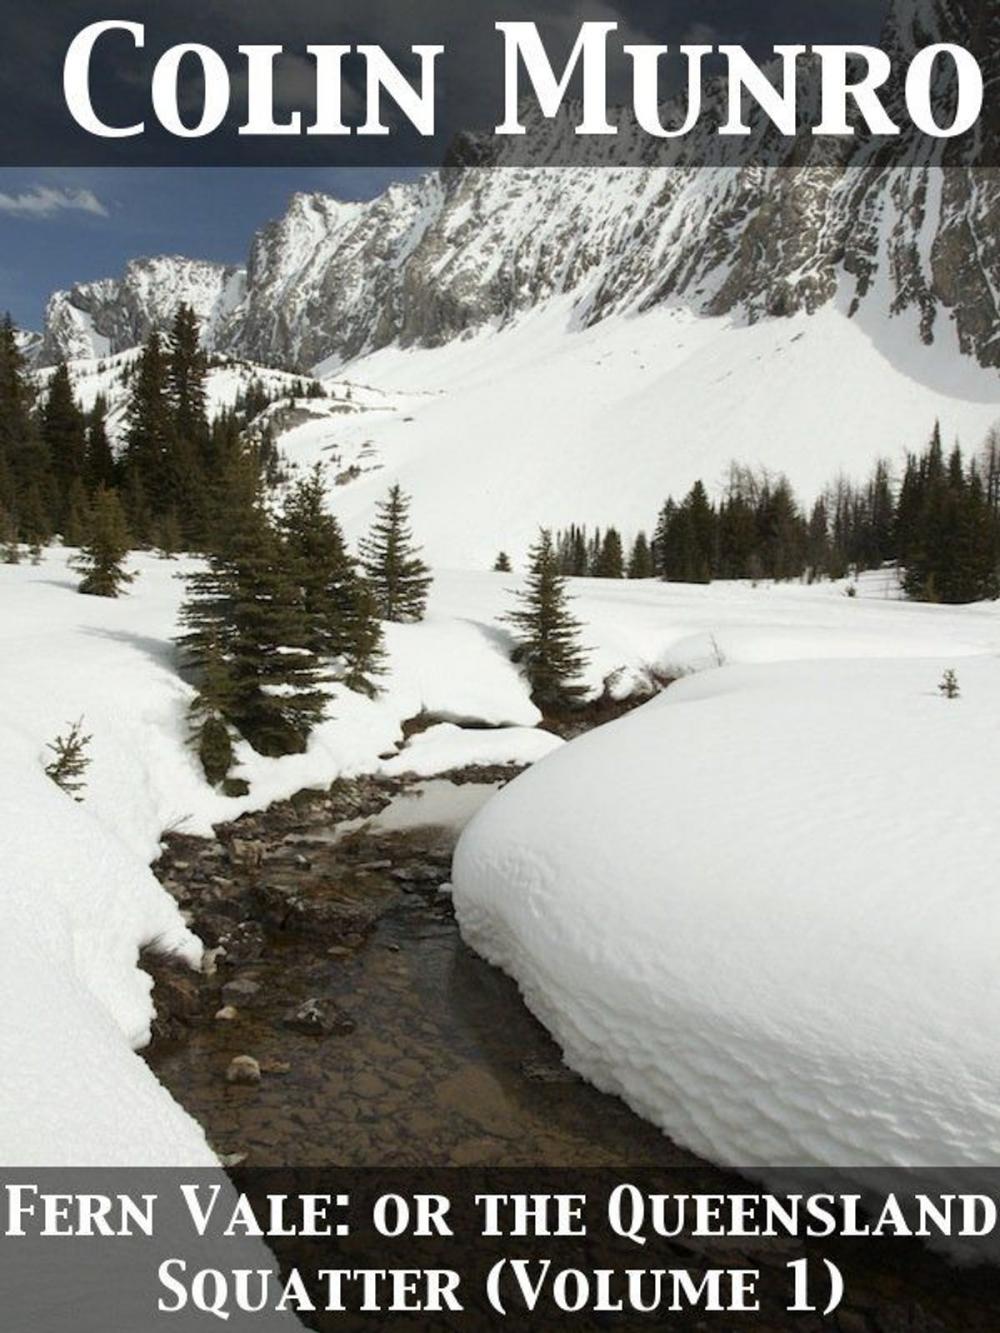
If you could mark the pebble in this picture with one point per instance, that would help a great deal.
(227, 1013)
(241, 989)
(244, 1070)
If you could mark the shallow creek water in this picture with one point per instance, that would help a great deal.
(445, 1064)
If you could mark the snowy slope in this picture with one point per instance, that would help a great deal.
(773, 930)
(545, 424)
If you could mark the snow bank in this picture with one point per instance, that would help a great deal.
(446, 746)
(77, 906)
(762, 908)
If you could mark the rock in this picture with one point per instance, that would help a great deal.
(278, 1067)
(241, 990)
(210, 961)
(540, 1072)
(318, 1020)
(227, 1014)
(243, 943)
(246, 852)
(243, 1070)
(179, 996)
(231, 1159)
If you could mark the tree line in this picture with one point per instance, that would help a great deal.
(940, 525)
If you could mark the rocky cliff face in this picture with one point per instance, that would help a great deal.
(473, 246)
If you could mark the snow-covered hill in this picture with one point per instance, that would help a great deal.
(540, 424)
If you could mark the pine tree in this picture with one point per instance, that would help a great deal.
(949, 686)
(398, 577)
(187, 372)
(68, 769)
(502, 563)
(10, 547)
(610, 563)
(169, 537)
(26, 487)
(76, 521)
(99, 469)
(209, 709)
(547, 634)
(64, 434)
(640, 560)
(107, 543)
(343, 624)
(247, 611)
(150, 431)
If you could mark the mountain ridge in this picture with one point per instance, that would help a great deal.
(469, 247)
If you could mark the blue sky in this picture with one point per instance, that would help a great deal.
(61, 227)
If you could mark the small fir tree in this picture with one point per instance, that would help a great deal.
(70, 763)
(398, 577)
(502, 563)
(106, 546)
(547, 634)
(949, 686)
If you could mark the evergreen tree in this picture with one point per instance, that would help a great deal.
(76, 522)
(502, 563)
(547, 633)
(107, 543)
(69, 766)
(343, 624)
(148, 455)
(169, 536)
(99, 469)
(187, 373)
(398, 577)
(247, 632)
(209, 709)
(33, 518)
(64, 434)
(26, 488)
(640, 560)
(611, 561)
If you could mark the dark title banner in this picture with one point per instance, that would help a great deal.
(855, 83)
(158, 1250)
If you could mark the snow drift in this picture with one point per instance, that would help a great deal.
(762, 909)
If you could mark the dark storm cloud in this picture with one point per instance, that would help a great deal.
(36, 128)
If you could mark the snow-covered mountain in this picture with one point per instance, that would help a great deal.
(471, 247)
(547, 344)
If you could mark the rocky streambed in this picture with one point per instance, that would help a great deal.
(341, 1021)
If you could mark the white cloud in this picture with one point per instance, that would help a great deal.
(45, 201)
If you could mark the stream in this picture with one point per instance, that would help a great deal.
(374, 1037)
(431, 1058)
